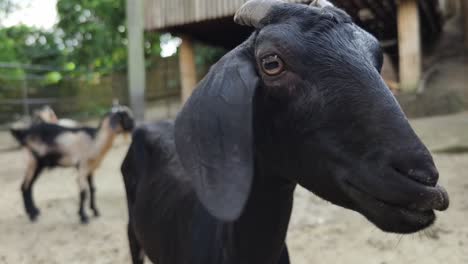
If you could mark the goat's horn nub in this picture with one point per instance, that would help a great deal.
(253, 11)
(321, 3)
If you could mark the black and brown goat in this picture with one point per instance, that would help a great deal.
(50, 145)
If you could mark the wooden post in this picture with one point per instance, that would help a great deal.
(188, 72)
(465, 22)
(409, 42)
(136, 59)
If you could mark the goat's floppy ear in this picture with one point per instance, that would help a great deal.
(213, 135)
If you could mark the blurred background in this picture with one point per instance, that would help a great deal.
(78, 56)
(73, 55)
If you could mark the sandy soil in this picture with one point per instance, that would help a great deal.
(319, 232)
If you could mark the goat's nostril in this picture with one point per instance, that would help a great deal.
(422, 172)
(428, 176)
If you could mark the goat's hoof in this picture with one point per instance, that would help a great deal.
(84, 219)
(34, 214)
(33, 217)
(96, 213)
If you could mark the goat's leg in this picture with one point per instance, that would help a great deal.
(284, 259)
(136, 251)
(34, 168)
(82, 212)
(92, 195)
(82, 184)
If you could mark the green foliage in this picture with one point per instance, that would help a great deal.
(205, 56)
(23, 45)
(94, 33)
(8, 54)
(91, 35)
(33, 46)
(90, 31)
(84, 54)
(53, 77)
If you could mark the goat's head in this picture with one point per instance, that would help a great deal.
(121, 119)
(303, 97)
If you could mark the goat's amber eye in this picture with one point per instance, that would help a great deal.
(272, 65)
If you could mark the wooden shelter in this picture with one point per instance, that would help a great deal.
(400, 25)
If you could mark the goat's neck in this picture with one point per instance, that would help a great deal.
(268, 210)
(103, 141)
(266, 217)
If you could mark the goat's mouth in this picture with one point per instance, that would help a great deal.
(396, 217)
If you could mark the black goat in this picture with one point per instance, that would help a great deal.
(50, 145)
(300, 102)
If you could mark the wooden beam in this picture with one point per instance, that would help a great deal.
(409, 42)
(136, 59)
(188, 73)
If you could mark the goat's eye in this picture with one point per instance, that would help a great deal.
(272, 65)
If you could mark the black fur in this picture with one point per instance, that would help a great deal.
(47, 133)
(31, 209)
(19, 135)
(217, 186)
(81, 212)
(203, 239)
(92, 193)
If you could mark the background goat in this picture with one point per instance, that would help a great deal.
(50, 145)
(300, 102)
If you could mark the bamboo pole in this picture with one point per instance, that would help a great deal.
(136, 60)
(409, 42)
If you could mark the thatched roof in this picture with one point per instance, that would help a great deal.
(211, 20)
(161, 14)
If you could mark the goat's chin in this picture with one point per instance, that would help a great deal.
(391, 218)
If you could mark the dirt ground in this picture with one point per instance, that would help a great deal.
(319, 232)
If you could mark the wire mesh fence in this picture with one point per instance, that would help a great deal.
(82, 94)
